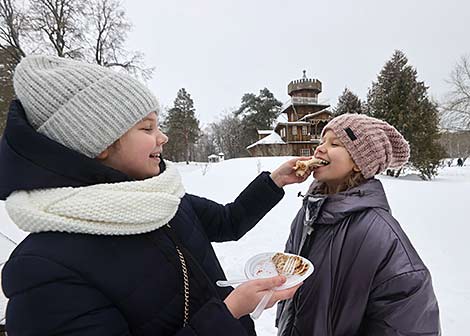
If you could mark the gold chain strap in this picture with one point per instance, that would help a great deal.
(186, 286)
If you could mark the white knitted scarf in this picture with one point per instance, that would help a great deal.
(107, 209)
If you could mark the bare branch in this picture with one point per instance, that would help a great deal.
(61, 22)
(94, 30)
(11, 28)
(456, 108)
(109, 28)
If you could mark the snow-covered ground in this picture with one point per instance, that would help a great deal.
(434, 214)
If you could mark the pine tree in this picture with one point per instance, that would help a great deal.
(257, 113)
(400, 99)
(348, 102)
(182, 127)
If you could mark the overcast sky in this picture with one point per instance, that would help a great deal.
(219, 50)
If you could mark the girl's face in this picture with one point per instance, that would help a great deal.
(137, 152)
(340, 162)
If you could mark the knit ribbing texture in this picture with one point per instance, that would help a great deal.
(104, 209)
(85, 107)
(374, 145)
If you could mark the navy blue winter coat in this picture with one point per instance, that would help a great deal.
(79, 284)
(368, 278)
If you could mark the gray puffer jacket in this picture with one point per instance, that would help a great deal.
(368, 278)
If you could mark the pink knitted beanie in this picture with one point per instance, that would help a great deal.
(373, 144)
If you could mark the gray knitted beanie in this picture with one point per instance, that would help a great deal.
(373, 144)
(85, 107)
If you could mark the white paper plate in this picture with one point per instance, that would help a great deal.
(260, 266)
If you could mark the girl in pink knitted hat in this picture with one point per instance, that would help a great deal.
(368, 280)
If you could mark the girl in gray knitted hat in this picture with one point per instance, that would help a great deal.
(116, 246)
(368, 278)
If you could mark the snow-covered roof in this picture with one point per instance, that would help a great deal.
(312, 141)
(286, 105)
(271, 139)
(298, 123)
(282, 118)
(213, 156)
(264, 131)
(311, 101)
(311, 115)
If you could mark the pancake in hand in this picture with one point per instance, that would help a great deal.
(301, 166)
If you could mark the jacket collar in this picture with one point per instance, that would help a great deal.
(30, 160)
(331, 209)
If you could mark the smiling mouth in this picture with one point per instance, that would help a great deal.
(323, 162)
(155, 156)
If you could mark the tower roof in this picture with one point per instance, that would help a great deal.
(304, 83)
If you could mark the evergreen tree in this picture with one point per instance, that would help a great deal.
(182, 127)
(400, 99)
(257, 113)
(348, 102)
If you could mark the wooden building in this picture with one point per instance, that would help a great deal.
(297, 130)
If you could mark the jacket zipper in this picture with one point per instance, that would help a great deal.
(306, 243)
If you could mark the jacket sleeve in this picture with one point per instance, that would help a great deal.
(403, 305)
(232, 221)
(58, 302)
(213, 318)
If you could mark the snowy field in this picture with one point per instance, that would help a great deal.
(434, 214)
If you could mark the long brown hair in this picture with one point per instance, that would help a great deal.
(353, 180)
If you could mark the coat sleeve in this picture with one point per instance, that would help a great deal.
(403, 305)
(233, 220)
(213, 318)
(58, 302)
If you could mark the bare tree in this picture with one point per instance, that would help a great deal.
(226, 134)
(109, 29)
(7, 64)
(12, 28)
(204, 146)
(93, 30)
(456, 109)
(456, 144)
(61, 23)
